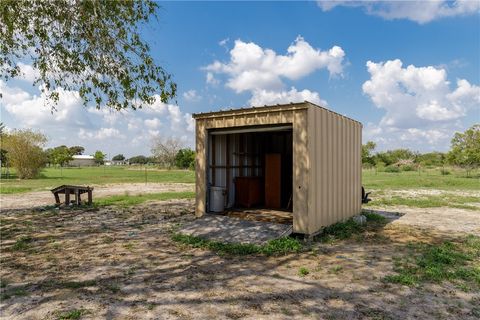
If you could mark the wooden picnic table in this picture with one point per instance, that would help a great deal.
(75, 190)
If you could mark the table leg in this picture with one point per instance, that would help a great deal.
(57, 198)
(67, 197)
(77, 197)
(89, 197)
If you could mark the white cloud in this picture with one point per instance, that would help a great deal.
(418, 102)
(418, 11)
(191, 95)
(264, 97)
(262, 72)
(101, 134)
(95, 129)
(153, 123)
(210, 78)
(223, 42)
(27, 72)
(252, 67)
(32, 110)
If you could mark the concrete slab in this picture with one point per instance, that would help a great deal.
(233, 230)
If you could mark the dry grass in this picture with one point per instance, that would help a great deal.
(116, 262)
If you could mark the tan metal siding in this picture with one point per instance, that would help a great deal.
(200, 168)
(335, 173)
(326, 160)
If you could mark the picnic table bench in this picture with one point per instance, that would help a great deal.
(75, 190)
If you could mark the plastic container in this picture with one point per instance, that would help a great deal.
(217, 199)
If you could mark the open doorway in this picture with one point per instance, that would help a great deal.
(252, 167)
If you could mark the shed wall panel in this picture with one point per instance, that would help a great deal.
(334, 151)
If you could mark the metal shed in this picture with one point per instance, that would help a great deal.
(297, 158)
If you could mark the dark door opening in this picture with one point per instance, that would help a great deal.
(254, 168)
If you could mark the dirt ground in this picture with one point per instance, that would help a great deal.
(43, 198)
(120, 263)
(450, 221)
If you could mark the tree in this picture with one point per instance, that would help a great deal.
(138, 160)
(166, 151)
(185, 159)
(465, 149)
(393, 156)
(25, 152)
(3, 152)
(93, 47)
(367, 150)
(60, 155)
(77, 150)
(118, 157)
(99, 157)
(432, 159)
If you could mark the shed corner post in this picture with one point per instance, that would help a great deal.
(200, 168)
(301, 166)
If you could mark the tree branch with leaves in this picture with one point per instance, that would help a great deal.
(90, 46)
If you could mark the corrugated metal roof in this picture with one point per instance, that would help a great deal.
(263, 109)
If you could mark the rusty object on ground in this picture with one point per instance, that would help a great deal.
(75, 190)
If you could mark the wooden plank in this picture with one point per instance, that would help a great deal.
(67, 196)
(90, 196)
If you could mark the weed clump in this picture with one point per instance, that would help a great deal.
(302, 272)
(280, 246)
(22, 243)
(438, 262)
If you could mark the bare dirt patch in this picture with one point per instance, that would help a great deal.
(437, 220)
(43, 198)
(120, 263)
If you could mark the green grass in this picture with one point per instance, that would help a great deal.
(71, 315)
(280, 246)
(427, 179)
(348, 229)
(131, 200)
(22, 243)
(447, 261)
(453, 201)
(302, 272)
(53, 177)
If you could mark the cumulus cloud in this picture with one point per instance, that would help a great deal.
(191, 95)
(252, 67)
(210, 78)
(419, 103)
(127, 131)
(33, 110)
(262, 72)
(101, 134)
(264, 97)
(418, 11)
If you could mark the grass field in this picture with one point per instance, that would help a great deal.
(52, 177)
(426, 179)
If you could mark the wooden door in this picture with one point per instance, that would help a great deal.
(273, 180)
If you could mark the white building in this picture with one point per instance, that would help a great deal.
(82, 161)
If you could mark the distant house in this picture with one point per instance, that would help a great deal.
(116, 162)
(82, 161)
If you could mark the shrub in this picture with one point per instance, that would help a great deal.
(25, 152)
(392, 169)
(407, 167)
(444, 172)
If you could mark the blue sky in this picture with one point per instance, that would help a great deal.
(420, 86)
